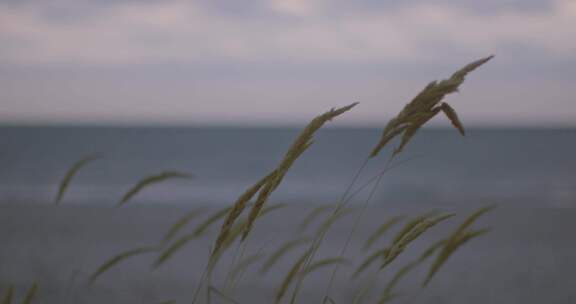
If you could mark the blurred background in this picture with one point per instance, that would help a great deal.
(220, 89)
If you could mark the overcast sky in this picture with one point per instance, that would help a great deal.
(282, 61)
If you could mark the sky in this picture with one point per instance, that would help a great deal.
(281, 62)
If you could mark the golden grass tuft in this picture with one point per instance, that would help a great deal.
(150, 180)
(424, 107)
(265, 186)
(301, 144)
(236, 210)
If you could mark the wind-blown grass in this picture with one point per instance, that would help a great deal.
(380, 231)
(294, 270)
(237, 224)
(179, 243)
(72, 171)
(150, 180)
(115, 260)
(458, 238)
(301, 144)
(235, 232)
(416, 231)
(424, 107)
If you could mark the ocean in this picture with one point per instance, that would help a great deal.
(524, 166)
(528, 256)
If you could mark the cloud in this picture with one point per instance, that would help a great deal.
(176, 31)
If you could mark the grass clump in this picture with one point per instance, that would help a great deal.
(458, 238)
(238, 221)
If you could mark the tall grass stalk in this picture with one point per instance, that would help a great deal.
(414, 115)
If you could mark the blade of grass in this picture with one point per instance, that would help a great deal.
(72, 171)
(150, 180)
(115, 260)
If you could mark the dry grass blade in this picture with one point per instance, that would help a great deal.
(301, 144)
(403, 271)
(409, 226)
(244, 264)
(236, 210)
(183, 240)
(432, 249)
(150, 180)
(424, 226)
(181, 223)
(70, 174)
(472, 218)
(380, 231)
(115, 260)
(458, 238)
(281, 251)
(453, 117)
(424, 107)
(315, 213)
(324, 263)
(369, 261)
(294, 270)
(400, 245)
(172, 249)
(234, 234)
(8, 294)
(449, 249)
(31, 294)
(200, 229)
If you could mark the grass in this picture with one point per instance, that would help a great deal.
(239, 220)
